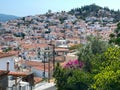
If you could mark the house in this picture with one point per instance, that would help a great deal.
(61, 43)
(7, 58)
(34, 51)
(3, 80)
(11, 80)
(38, 68)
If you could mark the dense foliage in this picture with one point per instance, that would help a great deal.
(115, 37)
(109, 76)
(97, 68)
(95, 11)
(76, 46)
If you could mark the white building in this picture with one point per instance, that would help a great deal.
(5, 58)
(37, 68)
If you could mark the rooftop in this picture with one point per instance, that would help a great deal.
(7, 54)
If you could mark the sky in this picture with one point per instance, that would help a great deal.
(34, 7)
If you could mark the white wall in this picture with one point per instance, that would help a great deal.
(3, 63)
(39, 73)
(24, 85)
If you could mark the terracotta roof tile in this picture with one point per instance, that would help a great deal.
(27, 46)
(38, 65)
(17, 73)
(2, 72)
(2, 54)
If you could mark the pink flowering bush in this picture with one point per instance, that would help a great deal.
(74, 64)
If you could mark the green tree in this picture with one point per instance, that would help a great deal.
(109, 76)
(115, 37)
(85, 54)
(71, 79)
(76, 46)
(7, 49)
(61, 75)
(98, 46)
(91, 53)
(100, 71)
(79, 80)
(107, 80)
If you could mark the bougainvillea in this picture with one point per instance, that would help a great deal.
(74, 64)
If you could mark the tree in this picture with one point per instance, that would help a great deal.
(98, 46)
(100, 68)
(71, 78)
(94, 47)
(60, 76)
(107, 80)
(109, 76)
(7, 49)
(21, 34)
(76, 46)
(79, 80)
(85, 54)
(115, 37)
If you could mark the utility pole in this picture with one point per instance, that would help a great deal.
(53, 51)
(48, 55)
(53, 57)
(48, 69)
(44, 64)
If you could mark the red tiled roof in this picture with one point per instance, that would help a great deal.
(38, 65)
(42, 68)
(29, 46)
(2, 54)
(2, 72)
(17, 73)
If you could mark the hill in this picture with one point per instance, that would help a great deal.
(95, 11)
(4, 18)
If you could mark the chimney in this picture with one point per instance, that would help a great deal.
(7, 66)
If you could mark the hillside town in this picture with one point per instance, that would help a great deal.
(31, 46)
